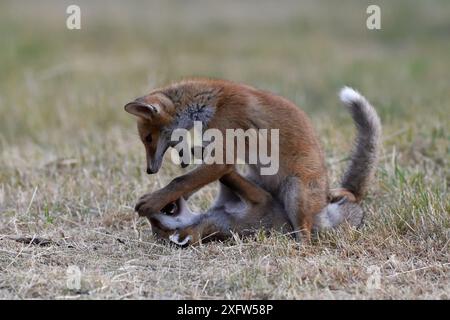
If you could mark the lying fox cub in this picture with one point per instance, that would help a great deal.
(243, 207)
(300, 187)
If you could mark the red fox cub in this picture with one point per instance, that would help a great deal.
(301, 183)
(243, 207)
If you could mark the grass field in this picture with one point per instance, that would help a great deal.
(71, 165)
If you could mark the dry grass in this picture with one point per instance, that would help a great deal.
(71, 166)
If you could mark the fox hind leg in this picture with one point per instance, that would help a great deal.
(301, 203)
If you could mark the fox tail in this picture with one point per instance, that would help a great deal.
(344, 204)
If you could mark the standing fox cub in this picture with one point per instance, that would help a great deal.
(300, 186)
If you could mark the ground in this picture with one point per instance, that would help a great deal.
(71, 165)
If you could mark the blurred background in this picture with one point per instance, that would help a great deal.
(72, 166)
(57, 80)
(62, 91)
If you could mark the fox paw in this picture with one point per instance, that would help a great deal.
(149, 204)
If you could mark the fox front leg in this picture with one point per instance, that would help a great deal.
(152, 203)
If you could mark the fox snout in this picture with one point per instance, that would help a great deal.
(153, 163)
(151, 168)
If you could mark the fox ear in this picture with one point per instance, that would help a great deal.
(143, 110)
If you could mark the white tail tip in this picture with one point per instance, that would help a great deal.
(349, 95)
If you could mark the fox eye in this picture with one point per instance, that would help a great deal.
(148, 138)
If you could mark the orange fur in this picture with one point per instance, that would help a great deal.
(241, 106)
